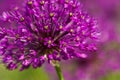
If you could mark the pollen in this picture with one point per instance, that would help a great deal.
(42, 2)
(60, 27)
(30, 2)
(49, 41)
(83, 17)
(77, 38)
(51, 14)
(66, 1)
(17, 35)
(46, 27)
(71, 14)
(22, 19)
(71, 30)
(74, 5)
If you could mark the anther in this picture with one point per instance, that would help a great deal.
(66, 1)
(42, 2)
(22, 19)
(70, 13)
(51, 14)
(49, 41)
(71, 30)
(30, 2)
(77, 38)
(60, 27)
(46, 27)
(17, 35)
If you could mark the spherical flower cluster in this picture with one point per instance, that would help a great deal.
(49, 30)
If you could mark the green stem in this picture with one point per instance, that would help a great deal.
(59, 72)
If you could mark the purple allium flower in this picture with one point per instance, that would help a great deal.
(46, 30)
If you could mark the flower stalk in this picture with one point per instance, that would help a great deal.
(59, 72)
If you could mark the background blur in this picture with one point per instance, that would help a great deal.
(105, 65)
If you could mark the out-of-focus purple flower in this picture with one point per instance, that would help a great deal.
(46, 30)
(7, 4)
(97, 67)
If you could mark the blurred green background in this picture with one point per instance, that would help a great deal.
(28, 74)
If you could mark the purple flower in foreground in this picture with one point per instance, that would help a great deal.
(46, 30)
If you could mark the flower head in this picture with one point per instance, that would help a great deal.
(46, 30)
